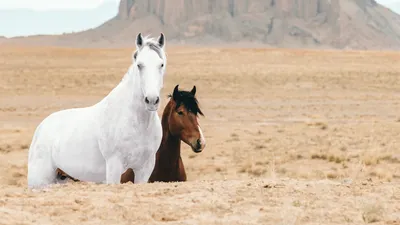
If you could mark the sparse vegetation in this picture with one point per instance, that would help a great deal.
(192, 156)
(370, 160)
(330, 158)
(296, 203)
(234, 137)
(321, 125)
(373, 212)
(218, 169)
(390, 158)
(5, 149)
(259, 146)
(319, 156)
(381, 174)
(282, 170)
(269, 120)
(332, 176)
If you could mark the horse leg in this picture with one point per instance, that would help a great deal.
(129, 175)
(61, 175)
(41, 171)
(114, 170)
(143, 174)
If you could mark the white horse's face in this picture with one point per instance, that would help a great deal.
(150, 62)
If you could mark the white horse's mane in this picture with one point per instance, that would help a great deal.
(153, 44)
(148, 39)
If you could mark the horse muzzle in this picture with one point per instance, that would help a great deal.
(152, 103)
(198, 146)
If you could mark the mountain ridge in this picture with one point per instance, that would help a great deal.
(339, 24)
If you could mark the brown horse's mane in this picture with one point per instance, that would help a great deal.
(188, 100)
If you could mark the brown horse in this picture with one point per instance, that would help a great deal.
(179, 123)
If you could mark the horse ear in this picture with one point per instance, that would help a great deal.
(139, 40)
(193, 91)
(175, 95)
(161, 40)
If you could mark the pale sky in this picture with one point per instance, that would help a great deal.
(391, 4)
(32, 17)
(52, 4)
(387, 1)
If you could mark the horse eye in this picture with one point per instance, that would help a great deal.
(140, 66)
(180, 113)
(162, 65)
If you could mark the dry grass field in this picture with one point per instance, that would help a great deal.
(293, 137)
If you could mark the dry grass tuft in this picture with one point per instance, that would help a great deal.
(24, 146)
(373, 212)
(319, 156)
(330, 158)
(321, 125)
(233, 135)
(382, 174)
(234, 138)
(259, 146)
(192, 156)
(391, 158)
(296, 203)
(370, 160)
(332, 176)
(5, 149)
(336, 159)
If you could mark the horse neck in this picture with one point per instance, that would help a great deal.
(126, 96)
(170, 144)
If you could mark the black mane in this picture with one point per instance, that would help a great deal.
(188, 100)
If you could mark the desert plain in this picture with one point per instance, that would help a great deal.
(293, 137)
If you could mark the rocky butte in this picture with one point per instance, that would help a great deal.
(341, 24)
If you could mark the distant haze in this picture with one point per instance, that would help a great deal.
(25, 21)
(23, 18)
(393, 5)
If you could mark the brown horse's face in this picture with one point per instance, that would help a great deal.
(184, 124)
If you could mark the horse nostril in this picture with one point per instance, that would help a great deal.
(147, 100)
(198, 143)
(157, 100)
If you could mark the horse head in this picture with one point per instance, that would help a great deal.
(183, 119)
(149, 65)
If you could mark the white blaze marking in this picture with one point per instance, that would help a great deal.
(202, 139)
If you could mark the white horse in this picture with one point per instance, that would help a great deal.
(100, 142)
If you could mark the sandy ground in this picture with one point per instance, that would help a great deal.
(294, 137)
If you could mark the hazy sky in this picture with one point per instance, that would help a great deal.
(392, 4)
(30, 17)
(52, 4)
